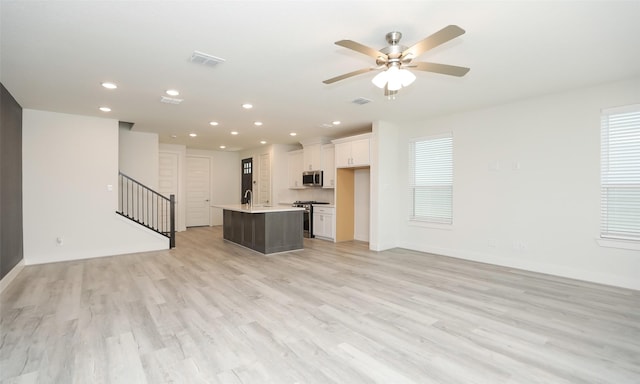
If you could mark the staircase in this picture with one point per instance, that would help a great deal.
(147, 207)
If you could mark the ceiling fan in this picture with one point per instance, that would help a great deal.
(395, 59)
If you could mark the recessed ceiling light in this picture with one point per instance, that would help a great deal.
(247, 106)
(263, 142)
(257, 123)
(105, 109)
(174, 136)
(109, 85)
(292, 134)
(193, 135)
(172, 92)
(213, 123)
(337, 122)
(223, 146)
(234, 132)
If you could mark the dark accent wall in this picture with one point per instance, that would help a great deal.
(11, 249)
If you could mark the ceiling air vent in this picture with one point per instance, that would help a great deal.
(361, 101)
(170, 100)
(205, 59)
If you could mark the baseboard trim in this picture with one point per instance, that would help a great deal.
(524, 265)
(8, 278)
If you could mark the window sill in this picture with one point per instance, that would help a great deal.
(424, 224)
(617, 243)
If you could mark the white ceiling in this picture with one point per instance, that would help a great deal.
(55, 54)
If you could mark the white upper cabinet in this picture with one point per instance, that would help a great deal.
(312, 160)
(328, 166)
(353, 151)
(361, 152)
(343, 155)
(312, 157)
(295, 169)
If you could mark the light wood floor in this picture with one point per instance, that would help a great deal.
(211, 312)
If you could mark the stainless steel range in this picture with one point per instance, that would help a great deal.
(308, 215)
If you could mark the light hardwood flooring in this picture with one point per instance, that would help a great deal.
(209, 311)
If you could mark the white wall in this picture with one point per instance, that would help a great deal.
(526, 187)
(138, 156)
(384, 214)
(69, 162)
(225, 179)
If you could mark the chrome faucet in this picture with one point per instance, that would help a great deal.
(250, 193)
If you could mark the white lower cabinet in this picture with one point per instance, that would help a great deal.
(323, 218)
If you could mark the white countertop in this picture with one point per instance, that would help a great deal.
(258, 208)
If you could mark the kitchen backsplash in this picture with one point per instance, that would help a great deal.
(316, 194)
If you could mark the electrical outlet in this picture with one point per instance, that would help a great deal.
(519, 245)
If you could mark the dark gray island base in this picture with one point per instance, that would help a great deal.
(265, 231)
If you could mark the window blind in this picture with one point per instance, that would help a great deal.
(431, 179)
(620, 173)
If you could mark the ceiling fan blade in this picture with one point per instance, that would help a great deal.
(360, 48)
(442, 36)
(444, 69)
(347, 75)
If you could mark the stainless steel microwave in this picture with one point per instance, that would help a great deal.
(312, 178)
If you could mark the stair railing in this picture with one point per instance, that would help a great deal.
(147, 207)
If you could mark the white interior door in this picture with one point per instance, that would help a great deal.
(265, 179)
(198, 191)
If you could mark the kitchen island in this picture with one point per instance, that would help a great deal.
(266, 229)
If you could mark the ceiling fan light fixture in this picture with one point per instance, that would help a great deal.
(380, 80)
(406, 77)
(394, 78)
(394, 81)
(395, 57)
(394, 85)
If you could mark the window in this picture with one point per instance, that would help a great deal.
(620, 173)
(431, 183)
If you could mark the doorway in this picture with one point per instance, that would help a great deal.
(247, 179)
(353, 204)
(264, 177)
(198, 191)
